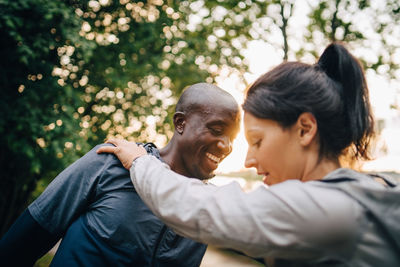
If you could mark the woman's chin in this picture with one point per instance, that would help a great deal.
(266, 179)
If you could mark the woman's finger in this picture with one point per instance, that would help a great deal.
(112, 141)
(106, 149)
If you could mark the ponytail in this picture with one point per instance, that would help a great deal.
(343, 68)
(334, 90)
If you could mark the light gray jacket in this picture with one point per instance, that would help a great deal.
(346, 219)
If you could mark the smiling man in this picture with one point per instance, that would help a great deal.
(94, 208)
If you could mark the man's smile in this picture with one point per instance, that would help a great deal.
(213, 157)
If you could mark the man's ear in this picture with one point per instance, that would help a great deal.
(179, 121)
(307, 128)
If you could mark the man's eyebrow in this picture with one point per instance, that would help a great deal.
(217, 122)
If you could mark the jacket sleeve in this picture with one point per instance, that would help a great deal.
(289, 220)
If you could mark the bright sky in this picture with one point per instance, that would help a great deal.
(261, 57)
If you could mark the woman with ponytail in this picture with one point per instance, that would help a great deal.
(299, 120)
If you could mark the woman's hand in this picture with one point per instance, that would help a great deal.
(126, 151)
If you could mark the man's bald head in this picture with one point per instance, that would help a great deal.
(207, 120)
(204, 97)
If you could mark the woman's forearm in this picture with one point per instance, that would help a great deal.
(261, 223)
(221, 216)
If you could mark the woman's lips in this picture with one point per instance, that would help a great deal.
(265, 178)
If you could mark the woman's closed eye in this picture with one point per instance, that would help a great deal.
(258, 143)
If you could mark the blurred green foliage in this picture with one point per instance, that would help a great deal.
(33, 126)
(74, 72)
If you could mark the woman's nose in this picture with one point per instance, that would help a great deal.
(250, 161)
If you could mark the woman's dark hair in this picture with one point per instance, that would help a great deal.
(334, 90)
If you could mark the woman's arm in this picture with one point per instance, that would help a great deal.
(206, 213)
(289, 220)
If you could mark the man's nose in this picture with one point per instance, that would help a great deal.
(225, 145)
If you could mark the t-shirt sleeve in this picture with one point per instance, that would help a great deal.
(70, 193)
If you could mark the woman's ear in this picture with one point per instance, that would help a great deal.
(307, 128)
(179, 122)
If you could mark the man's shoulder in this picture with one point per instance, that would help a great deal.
(112, 173)
(152, 150)
(97, 166)
(106, 165)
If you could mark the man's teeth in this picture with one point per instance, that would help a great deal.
(213, 158)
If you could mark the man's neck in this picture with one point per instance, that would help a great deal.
(171, 156)
(167, 154)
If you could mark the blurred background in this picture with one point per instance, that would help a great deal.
(74, 72)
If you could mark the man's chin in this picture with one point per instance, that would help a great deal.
(205, 175)
(208, 176)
